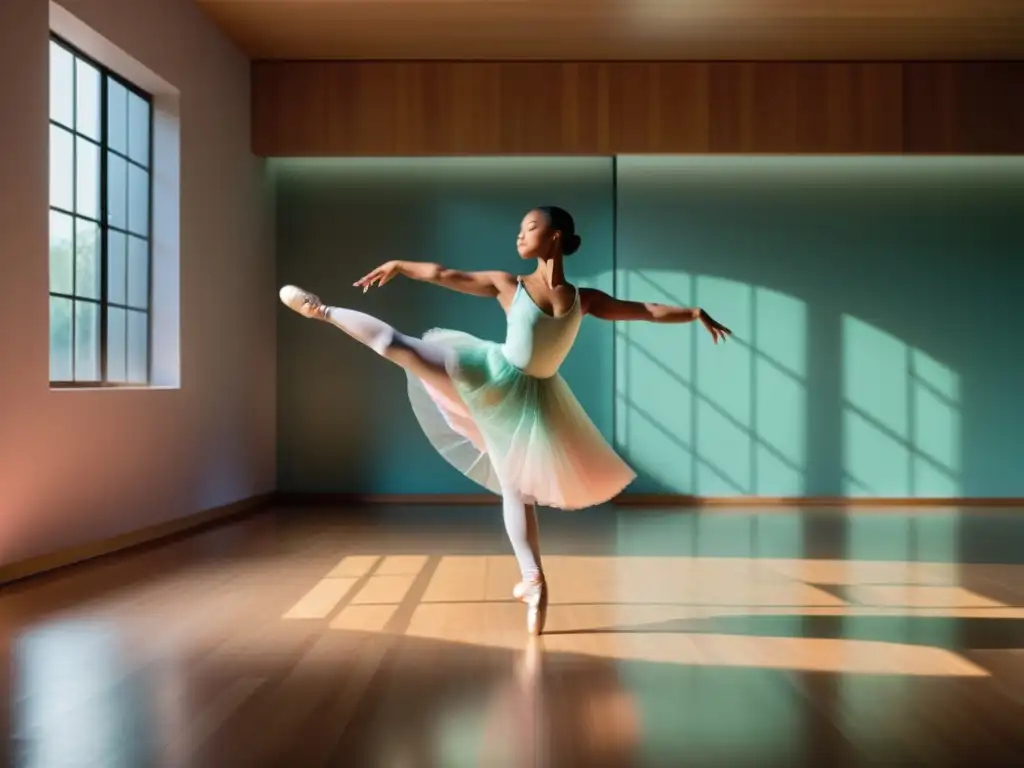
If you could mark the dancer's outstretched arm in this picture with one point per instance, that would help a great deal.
(601, 305)
(487, 284)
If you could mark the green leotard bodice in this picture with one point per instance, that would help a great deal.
(535, 342)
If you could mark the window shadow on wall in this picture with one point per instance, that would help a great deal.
(708, 420)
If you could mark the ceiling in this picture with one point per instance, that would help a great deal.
(624, 29)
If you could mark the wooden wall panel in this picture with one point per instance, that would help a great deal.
(445, 124)
(970, 107)
(811, 108)
(542, 108)
(413, 108)
(656, 107)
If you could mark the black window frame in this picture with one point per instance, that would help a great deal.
(103, 302)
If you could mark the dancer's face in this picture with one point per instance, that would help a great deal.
(536, 237)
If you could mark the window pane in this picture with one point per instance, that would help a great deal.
(87, 99)
(138, 200)
(117, 116)
(87, 341)
(62, 85)
(138, 129)
(117, 191)
(117, 345)
(117, 248)
(88, 189)
(87, 260)
(62, 169)
(60, 339)
(138, 273)
(61, 246)
(138, 347)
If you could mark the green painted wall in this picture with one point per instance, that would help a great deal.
(876, 307)
(874, 301)
(344, 419)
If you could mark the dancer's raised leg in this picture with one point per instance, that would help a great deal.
(427, 361)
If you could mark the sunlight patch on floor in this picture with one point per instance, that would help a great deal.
(846, 617)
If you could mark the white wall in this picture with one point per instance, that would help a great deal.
(81, 466)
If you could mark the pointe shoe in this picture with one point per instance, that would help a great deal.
(305, 303)
(535, 595)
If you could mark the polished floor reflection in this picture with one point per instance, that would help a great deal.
(387, 637)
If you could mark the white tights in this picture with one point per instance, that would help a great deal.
(428, 362)
(524, 533)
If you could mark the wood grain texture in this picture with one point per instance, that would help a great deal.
(387, 636)
(954, 108)
(437, 108)
(805, 108)
(187, 525)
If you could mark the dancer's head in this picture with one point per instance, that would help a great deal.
(547, 232)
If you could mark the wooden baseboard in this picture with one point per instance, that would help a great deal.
(671, 500)
(154, 533)
(652, 500)
(396, 499)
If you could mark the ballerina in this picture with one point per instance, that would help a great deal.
(500, 413)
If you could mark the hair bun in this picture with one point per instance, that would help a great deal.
(571, 245)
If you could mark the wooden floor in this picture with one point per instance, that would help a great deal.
(387, 637)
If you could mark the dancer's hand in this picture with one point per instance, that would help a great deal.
(716, 329)
(382, 275)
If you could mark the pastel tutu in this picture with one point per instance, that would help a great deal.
(510, 419)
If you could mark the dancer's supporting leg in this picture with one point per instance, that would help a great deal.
(524, 535)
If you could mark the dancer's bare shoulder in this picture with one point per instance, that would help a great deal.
(505, 282)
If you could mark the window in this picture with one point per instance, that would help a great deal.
(100, 213)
